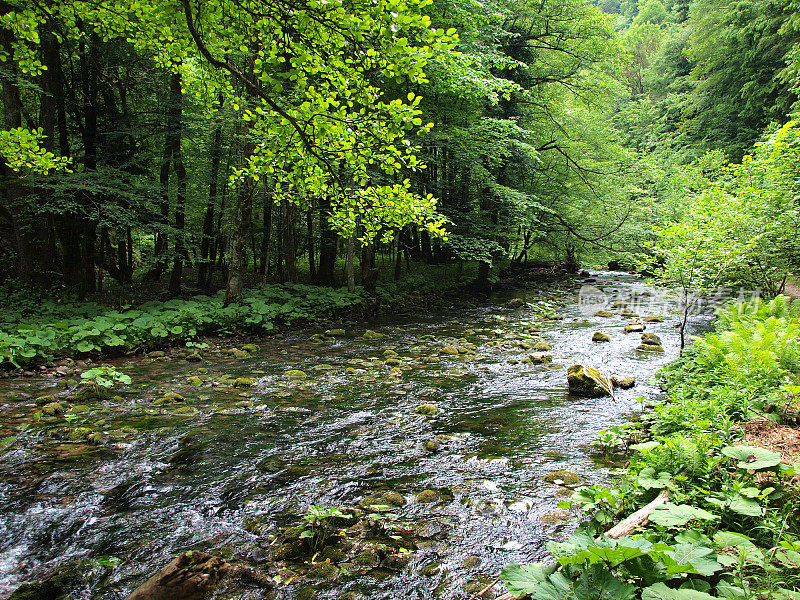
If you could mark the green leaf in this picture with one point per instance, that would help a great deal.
(525, 579)
(678, 515)
(752, 457)
(660, 591)
(648, 479)
(744, 506)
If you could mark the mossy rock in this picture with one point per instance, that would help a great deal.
(324, 571)
(599, 336)
(427, 496)
(554, 317)
(393, 362)
(429, 410)
(47, 399)
(336, 332)
(295, 374)
(185, 411)
(52, 409)
(350, 371)
(169, 398)
(195, 380)
(306, 593)
(541, 347)
(604, 314)
(619, 304)
(471, 561)
(333, 554)
(388, 353)
(653, 319)
(624, 383)
(515, 303)
(79, 409)
(244, 382)
(89, 391)
(193, 357)
(451, 350)
(373, 335)
(239, 354)
(392, 499)
(539, 358)
(562, 477)
(95, 438)
(56, 586)
(628, 313)
(650, 348)
(251, 348)
(156, 354)
(288, 551)
(634, 328)
(431, 569)
(651, 339)
(79, 434)
(581, 384)
(396, 562)
(367, 558)
(431, 445)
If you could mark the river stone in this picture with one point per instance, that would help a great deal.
(603, 313)
(244, 382)
(251, 348)
(432, 445)
(649, 348)
(539, 358)
(554, 317)
(323, 570)
(195, 380)
(653, 319)
(515, 303)
(78, 434)
(389, 352)
(580, 384)
(193, 357)
(619, 304)
(427, 496)
(52, 409)
(541, 347)
(369, 334)
(335, 332)
(624, 383)
(628, 313)
(89, 391)
(239, 354)
(651, 339)
(78, 409)
(452, 350)
(295, 374)
(599, 336)
(393, 362)
(634, 327)
(429, 410)
(562, 477)
(42, 400)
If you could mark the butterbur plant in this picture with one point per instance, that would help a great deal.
(105, 376)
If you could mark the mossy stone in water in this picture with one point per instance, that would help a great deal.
(169, 398)
(251, 348)
(55, 586)
(52, 409)
(185, 411)
(432, 445)
(156, 354)
(79, 434)
(562, 477)
(603, 313)
(89, 391)
(427, 496)
(244, 382)
(79, 409)
(393, 362)
(451, 350)
(651, 339)
(634, 328)
(599, 336)
(306, 593)
(373, 335)
(48, 399)
(431, 569)
(429, 410)
(239, 354)
(195, 380)
(367, 558)
(323, 570)
(649, 348)
(295, 374)
(624, 383)
(471, 561)
(333, 554)
(336, 332)
(392, 499)
(95, 438)
(538, 358)
(653, 319)
(541, 347)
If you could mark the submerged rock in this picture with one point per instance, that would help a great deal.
(251, 348)
(244, 382)
(624, 383)
(542, 347)
(427, 496)
(649, 348)
(582, 384)
(539, 358)
(295, 374)
(634, 328)
(429, 410)
(193, 357)
(653, 319)
(562, 477)
(603, 313)
(599, 336)
(393, 499)
(651, 339)
(515, 303)
(51, 409)
(336, 332)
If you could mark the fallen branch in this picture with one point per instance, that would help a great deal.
(190, 576)
(640, 517)
(484, 590)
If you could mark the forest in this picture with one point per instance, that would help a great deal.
(206, 203)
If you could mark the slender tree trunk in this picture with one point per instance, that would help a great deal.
(176, 112)
(241, 232)
(327, 244)
(266, 239)
(312, 267)
(205, 265)
(289, 249)
(349, 267)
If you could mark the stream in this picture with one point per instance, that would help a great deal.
(226, 466)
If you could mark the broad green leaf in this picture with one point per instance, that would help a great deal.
(752, 457)
(678, 515)
(660, 591)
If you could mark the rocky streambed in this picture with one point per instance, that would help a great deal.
(410, 460)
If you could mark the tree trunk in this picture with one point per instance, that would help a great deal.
(349, 268)
(289, 251)
(176, 119)
(327, 244)
(266, 239)
(241, 232)
(312, 267)
(208, 221)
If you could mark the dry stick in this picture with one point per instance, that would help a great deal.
(640, 517)
(622, 528)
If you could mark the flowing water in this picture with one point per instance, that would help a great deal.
(234, 465)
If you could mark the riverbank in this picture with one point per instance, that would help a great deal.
(722, 449)
(227, 456)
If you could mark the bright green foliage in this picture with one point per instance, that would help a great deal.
(21, 148)
(105, 376)
(728, 530)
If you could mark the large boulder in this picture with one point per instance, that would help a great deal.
(587, 382)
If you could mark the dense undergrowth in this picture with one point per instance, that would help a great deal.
(730, 526)
(35, 329)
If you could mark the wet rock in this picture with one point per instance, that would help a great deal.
(193, 357)
(515, 303)
(336, 332)
(396, 562)
(539, 358)
(651, 339)
(323, 570)
(48, 399)
(51, 409)
(619, 304)
(471, 561)
(624, 383)
(581, 384)
(79, 434)
(239, 354)
(350, 371)
(634, 328)
(95, 438)
(89, 391)
(56, 585)
(628, 313)
(79, 409)
(429, 410)
(156, 354)
(452, 350)
(562, 477)
(295, 374)
(554, 317)
(393, 362)
(653, 319)
(650, 348)
(388, 353)
(244, 382)
(306, 593)
(431, 569)
(393, 499)
(250, 348)
(333, 554)
(168, 398)
(185, 411)
(603, 313)
(427, 496)
(373, 335)
(599, 336)
(542, 347)
(431, 445)
(290, 550)
(195, 380)
(367, 558)
(553, 518)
